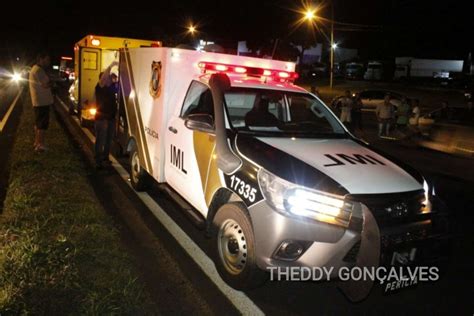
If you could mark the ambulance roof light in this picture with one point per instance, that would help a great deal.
(95, 42)
(240, 70)
(221, 68)
(278, 75)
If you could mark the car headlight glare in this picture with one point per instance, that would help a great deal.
(427, 200)
(16, 77)
(295, 200)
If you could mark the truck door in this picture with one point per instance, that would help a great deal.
(89, 74)
(188, 152)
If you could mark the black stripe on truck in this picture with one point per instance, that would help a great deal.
(415, 174)
(287, 166)
(133, 110)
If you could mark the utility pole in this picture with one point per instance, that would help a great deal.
(332, 48)
(275, 44)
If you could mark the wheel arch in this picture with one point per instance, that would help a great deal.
(221, 196)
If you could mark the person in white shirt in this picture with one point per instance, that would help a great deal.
(346, 107)
(415, 113)
(41, 98)
(384, 113)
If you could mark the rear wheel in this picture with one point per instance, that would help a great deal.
(138, 176)
(234, 243)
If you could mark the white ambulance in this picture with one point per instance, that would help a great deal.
(275, 177)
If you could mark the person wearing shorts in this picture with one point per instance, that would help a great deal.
(41, 98)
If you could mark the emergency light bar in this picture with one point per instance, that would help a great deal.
(250, 71)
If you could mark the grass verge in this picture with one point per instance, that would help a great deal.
(60, 253)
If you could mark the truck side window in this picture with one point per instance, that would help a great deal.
(198, 100)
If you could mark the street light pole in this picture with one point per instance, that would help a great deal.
(332, 48)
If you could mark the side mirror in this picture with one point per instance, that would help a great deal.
(200, 122)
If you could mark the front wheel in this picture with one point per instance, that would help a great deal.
(138, 176)
(234, 246)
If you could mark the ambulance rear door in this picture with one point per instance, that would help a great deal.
(90, 67)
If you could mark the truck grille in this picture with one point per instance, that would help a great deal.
(392, 207)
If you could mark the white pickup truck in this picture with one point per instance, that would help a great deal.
(266, 167)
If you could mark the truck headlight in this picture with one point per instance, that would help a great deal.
(294, 200)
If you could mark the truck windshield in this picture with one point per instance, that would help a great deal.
(280, 113)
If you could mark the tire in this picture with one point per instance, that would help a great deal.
(138, 176)
(234, 248)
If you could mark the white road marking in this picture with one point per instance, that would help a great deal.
(4, 121)
(239, 299)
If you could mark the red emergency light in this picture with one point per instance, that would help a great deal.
(249, 71)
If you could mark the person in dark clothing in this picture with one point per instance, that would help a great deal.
(260, 116)
(104, 125)
(357, 113)
(445, 113)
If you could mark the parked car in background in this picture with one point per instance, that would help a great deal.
(354, 71)
(314, 71)
(374, 71)
(450, 131)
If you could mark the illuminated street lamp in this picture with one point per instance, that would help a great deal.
(334, 46)
(310, 15)
(191, 29)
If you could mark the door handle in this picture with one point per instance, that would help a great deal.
(173, 130)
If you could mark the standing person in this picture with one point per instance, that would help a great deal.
(346, 108)
(104, 125)
(415, 113)
(445, 113)
(403, 111)
(357, 112)
(41, 98)
(384, 113)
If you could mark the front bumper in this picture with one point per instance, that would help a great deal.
(335, 247)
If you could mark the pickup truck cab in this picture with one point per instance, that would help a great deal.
(274, 175)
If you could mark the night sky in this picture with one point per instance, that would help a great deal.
(402, 27)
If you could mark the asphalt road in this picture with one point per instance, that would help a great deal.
(8, 92)
(179, 285)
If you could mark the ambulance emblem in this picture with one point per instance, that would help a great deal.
(155, 82)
